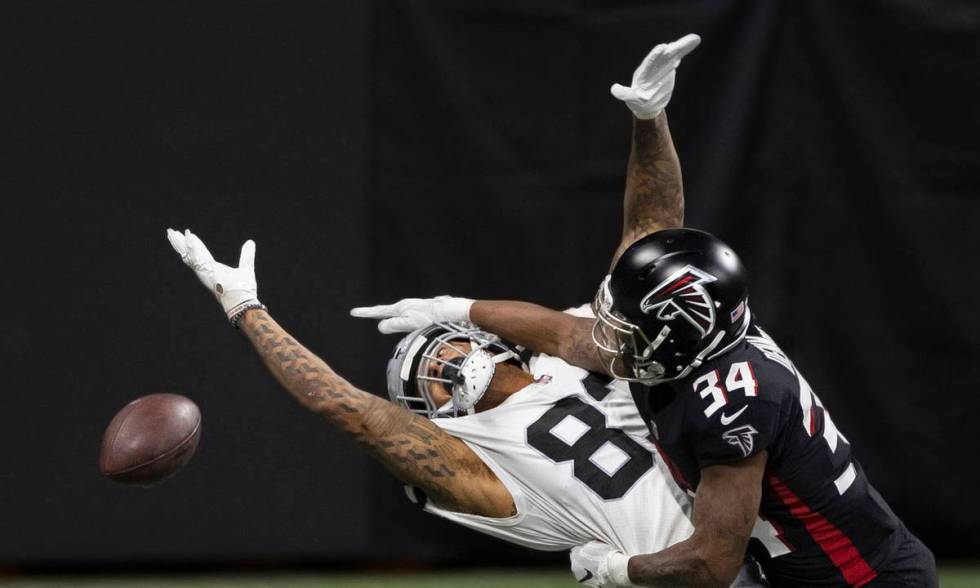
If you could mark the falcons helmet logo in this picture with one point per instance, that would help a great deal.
(741, 437)
(683, 294)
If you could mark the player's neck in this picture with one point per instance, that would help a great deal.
(507, 380)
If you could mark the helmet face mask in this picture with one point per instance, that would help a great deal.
(675, 298)
(628, 347)
(454, 358)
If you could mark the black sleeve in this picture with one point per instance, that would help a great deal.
(741, 429)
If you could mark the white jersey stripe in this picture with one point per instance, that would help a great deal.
(844, 481)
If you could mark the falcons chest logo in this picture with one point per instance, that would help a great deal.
(683, 295)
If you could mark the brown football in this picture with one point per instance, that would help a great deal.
(150, 439)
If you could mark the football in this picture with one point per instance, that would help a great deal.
(150, 439)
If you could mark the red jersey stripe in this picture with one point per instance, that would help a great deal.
(831, 540)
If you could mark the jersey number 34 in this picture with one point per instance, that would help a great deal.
(740, 377)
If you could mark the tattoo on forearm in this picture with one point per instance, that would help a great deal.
(412, 448)
(581, 350)
(654, 191)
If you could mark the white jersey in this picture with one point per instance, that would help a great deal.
(574, 454)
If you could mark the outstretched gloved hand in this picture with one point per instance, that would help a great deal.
(653, 81)
(414, 313)
(235, 287)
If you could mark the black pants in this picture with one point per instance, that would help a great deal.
(912, 566)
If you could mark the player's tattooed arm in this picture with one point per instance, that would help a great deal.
(654, 198)
(416, 451)
(541, 330)
(725, 509)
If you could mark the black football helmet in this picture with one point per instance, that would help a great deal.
(674, 299)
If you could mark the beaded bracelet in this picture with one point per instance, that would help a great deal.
(240, 313)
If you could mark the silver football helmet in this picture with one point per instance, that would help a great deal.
(466, 376)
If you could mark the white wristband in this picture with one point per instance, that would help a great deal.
(618, 565)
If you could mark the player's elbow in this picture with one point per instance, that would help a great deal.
(720, 563)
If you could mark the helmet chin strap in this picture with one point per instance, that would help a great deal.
(707, 353)
(654, 379)
(699, 359)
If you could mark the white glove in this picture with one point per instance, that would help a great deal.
(600, 565)
(653, 81)
(234, 287)
(414, 313)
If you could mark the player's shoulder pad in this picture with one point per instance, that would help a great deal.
(736, 407)
(742, 374)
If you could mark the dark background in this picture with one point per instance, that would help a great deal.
(376, 150)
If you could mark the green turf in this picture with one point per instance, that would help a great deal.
(950, 577)
(959, 576)
(471, 579)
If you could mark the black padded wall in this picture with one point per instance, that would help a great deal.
(833, 144)
(376, 150)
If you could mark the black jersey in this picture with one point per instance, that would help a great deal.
(820, 522)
